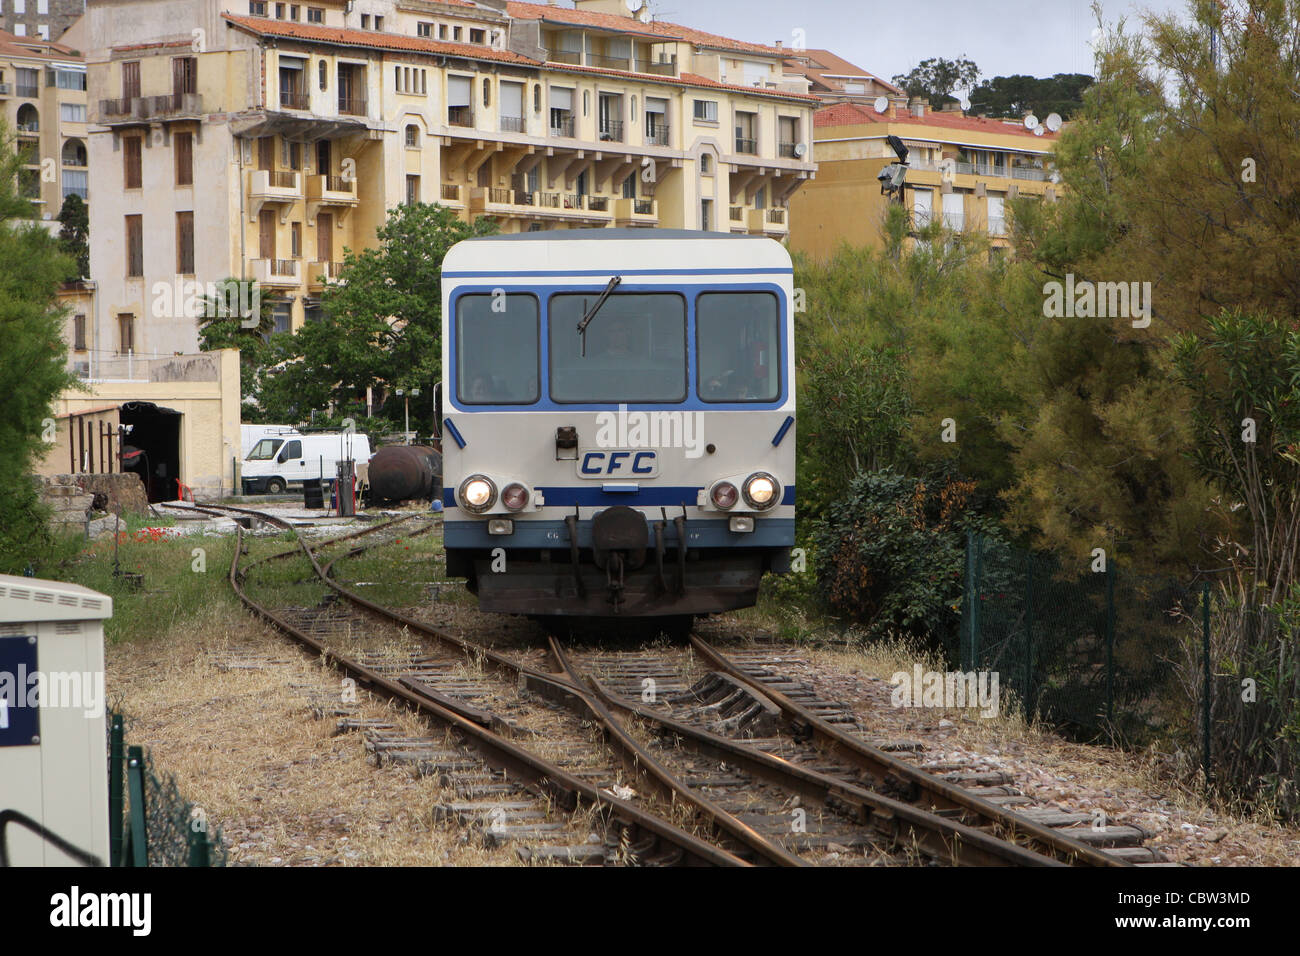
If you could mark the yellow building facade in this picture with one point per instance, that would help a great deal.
(261, 139)
(961, 169)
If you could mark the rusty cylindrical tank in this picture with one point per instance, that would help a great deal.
(405, 473)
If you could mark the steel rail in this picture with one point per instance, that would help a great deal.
(568, 792)
(885, 769)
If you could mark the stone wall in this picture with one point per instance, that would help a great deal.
(73, 499)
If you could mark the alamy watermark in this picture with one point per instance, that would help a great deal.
(31, 689)
(624, 429)
(1085, 299)
(948, 690)
(227, 299)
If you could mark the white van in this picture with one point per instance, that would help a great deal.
(276, 464)
(250, 435)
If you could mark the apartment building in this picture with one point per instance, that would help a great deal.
(835, 80)
(43, 102)
(259, 139)
(40, 19)
(961, 168)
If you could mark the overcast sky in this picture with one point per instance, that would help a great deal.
(887, 37)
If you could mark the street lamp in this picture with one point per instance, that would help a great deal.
(405, 395)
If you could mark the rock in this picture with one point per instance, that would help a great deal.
(945, 723)
(1217, 835)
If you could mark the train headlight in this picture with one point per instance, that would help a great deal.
(761, 491)
(477, 493)
(724, 495)
(514, 496)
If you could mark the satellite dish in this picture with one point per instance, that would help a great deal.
(799, 150)
(1031, 121)
(1038, 131)
(1053, 121)
(882, 104)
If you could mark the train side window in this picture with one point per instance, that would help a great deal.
(498, 356)
(738, 346)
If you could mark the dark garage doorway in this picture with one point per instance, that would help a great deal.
(153, 448)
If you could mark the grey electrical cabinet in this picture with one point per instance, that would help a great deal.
(53, 760)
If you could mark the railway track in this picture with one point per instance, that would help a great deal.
(735, 769)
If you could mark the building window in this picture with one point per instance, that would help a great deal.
(413, 136)
(459, 111)
(134, 246)
(125, 333)
(706, 111)
(279, 11)
(295, 240)
(706, 215)
(293, 13)
(379, 23)
(537, 97)
(322, 75)
(185, 243)
(412, 190)
(424, 30)
(457, 33)
(365, 21)
(74, 153)
(76, 182)
(72, 112)
(28, 82)
(131, 80)
(293, 89)
(487, 91)
(442, 31)
(131, 161)
(477, 36)
(183, 143)
(69, 79)
(257, 8)
(79, 332)
(746, 133)
(656, 121)
(315, 15)
(706, 164)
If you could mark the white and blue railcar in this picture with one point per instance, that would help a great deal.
(618, 420)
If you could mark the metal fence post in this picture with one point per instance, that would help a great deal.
(136, 788)
(1205, 663)
(115, 757)
(1029, 633)
(1110, 643)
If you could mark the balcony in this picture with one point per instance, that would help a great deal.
(611, 131)
(460, 116)
(29, 90)
(272, 187)
(598, 203)
(636, 212)
(748, 147)
(562, 128)
(352, 106)
(663, 66)
(768, 222)
(294, 100)
(551, 205)
(320, 274)
(737, 217)
(276, 273)
(512, 124)
(657, 135)
(566, 56)
(787, 150)
(171, 105)
(451, 193)
(333, 191)
(6, 89)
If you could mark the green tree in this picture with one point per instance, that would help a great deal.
(382, 323)
(33, 361)
(238, 316)
(74, 235)
(1014, 96)
(936, 78)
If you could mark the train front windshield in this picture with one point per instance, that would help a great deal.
(636, 349)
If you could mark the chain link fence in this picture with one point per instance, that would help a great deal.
(1090, 651)
(150, 822)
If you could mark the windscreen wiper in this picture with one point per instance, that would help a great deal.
(591, 313)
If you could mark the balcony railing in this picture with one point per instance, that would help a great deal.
(169, 103)
(29, 127)
(786, 150)
(294, 100)
(643, 207)
(657, 135)
(565, 56)
(283, 179)
(660, 67)
(352, 106)
(611, 131)
(572, 201)
(512, 124)
(501, 196)
(609, 62)
(1028, 172)
(776, 215)
(118, 107)
(737, 213)
(548, 200)
(598, 203)
(27, 89)
(338, 184)
(748, 146)
(525, 199)
(562, 128)
(460, 116)
(6, 89)
(451, 192)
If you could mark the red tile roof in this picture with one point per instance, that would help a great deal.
(826, 68)
(13, 45)
(372, 39)
(612, 21)
(855, 114)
